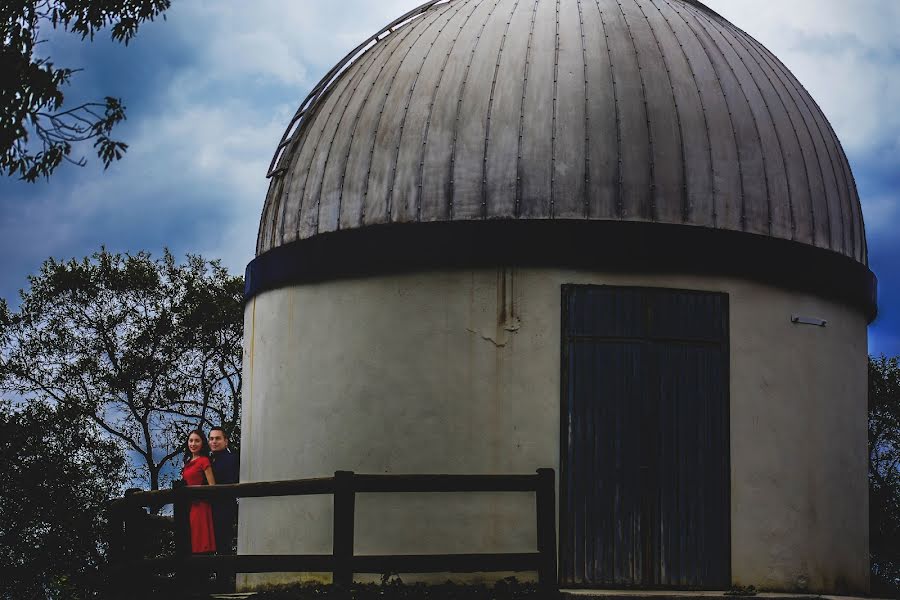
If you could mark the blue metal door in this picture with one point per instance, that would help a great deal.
(645, 473)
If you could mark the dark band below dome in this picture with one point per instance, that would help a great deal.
(611, 246)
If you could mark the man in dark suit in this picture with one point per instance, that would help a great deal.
(226, 468)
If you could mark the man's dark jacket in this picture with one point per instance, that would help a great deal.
(226, 468)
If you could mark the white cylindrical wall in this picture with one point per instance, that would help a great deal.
(459, 372)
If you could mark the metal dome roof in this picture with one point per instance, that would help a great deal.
(637, 110)
(608, 112)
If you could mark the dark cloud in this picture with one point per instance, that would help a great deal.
(885, 332)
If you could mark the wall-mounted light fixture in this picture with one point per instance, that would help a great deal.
(800, 320)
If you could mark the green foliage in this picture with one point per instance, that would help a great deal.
(57, 473)
(507, 589)
(146, 349)
(884, 473)
(31, 87)
(741, 590)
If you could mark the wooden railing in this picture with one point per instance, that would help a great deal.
(128, 517)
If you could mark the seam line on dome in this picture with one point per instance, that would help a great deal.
(787, 177)
(801, 146)
(264, 233)
(400, 39)
(620, 200)
(686, 209)
(843, 192)
(522, 112)
(312, 115)
(796, 93)
(287, 179)
(364, 203)
(393, 181)
(420, 176)
(859, 226)
(345, 84)
(490, 110)
(264, 219)
(315, 203)
(650, 147)
(587, 116)
(687, 60)
(555, 117)
(762, 153)
(856, 204)
(275, 207)
(363, 72)
(462, 91)
(283, 198)
(729, 109)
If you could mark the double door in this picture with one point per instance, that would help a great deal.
(645, 473)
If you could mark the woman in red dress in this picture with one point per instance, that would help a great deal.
(196, 465)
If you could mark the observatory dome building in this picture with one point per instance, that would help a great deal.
(614, 238)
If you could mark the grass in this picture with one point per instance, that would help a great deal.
(395, 589)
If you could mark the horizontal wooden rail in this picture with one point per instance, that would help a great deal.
(127, 520)
(325, 485)
(445, 483)
(261, 489)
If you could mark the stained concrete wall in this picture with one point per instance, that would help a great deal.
(459, 372)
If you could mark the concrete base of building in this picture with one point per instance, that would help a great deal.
(459, 372)
(646, 595)
(691, 595)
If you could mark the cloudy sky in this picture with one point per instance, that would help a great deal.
(210, 90)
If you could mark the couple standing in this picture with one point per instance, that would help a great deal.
(209, 463)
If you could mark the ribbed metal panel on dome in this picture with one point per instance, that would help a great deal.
(639, 110)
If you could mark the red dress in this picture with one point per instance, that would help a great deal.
(203, 539)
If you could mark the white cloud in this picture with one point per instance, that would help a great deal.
(847, 54)
(286, 42)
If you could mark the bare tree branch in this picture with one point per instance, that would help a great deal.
(38, 133)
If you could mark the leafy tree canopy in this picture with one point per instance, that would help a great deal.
(884, 473)
(57, 474)
(37, 131)
(145, 349)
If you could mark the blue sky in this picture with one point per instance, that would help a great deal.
(210, 90)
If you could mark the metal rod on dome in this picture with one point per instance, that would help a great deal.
(319, 90)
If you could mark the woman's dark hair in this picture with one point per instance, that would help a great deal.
(204, 445)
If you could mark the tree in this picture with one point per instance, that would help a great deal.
(146, 349)
(36, 131)
(57, 474)
(884, 473)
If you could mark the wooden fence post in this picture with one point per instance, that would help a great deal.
(115, 528)
(344, 514)
(134, 521)
(546, 528)
(115, 539)
(181, 511)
